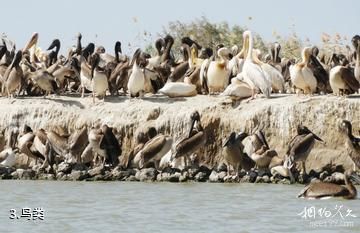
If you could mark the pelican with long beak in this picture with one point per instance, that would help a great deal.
(356, 43)
(193, 141)
(216, 73)
(318, 190)
(136, 83)
(252, 72)
(13, 76)
(99, 80)
(301, 145)
(233, 152)
(352, 143)
(301, 75)
(53, 55)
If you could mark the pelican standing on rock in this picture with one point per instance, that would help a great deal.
(252, 73)
(352, 143)
(153, 151)
(233, 152)
(301, 75)
(194, 141)
(343, 81)
(301, 145)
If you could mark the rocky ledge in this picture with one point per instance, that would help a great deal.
(277, 116)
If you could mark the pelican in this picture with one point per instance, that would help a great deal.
(156, 60)
(95, 137)
(78, 142)
(252, 73)
(85, 70)
(238, 89)
(301, 75)
(352, 143)
(232, 152)
(141, 139)
(111, 145)
(342, 80)
(277, 80)
(301, 145)
(153, 151)
(275, 60)
(216, 73)
(194, 140)
(356, 43)
(99, 81)
(260, 151)
(25, 145)
(327, 190)
(13, 76)
(53, 55)
(9, 158)
(178, 89)
(44, 80)
(136, 83)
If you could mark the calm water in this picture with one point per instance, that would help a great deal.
(166, 207)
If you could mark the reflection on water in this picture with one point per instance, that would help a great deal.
(167, 207)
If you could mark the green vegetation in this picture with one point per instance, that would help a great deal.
(210, 34)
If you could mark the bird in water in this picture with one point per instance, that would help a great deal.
(318, 190)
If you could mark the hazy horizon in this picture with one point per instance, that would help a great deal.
(108, 21)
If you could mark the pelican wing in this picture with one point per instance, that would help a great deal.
(153, 147)
(301, 144)
(349, 78)
(257, 78)
(190, 145)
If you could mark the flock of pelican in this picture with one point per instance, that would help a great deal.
(230, 72)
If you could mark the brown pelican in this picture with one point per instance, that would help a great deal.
(327, 190)
(153, 151)
(25, 145)
(233, 152)
(44, 80)
(53, 55)
(193, 141)
(59, 144)
(301, 75)
(301, 145)
(13, 76)
(343, 81)
(352, 143)
(85, 70)
(111, 145)
(78, 142)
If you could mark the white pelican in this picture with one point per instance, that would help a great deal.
(252, 72)
(9, 157)
(277, 79)
(178, 89)
(136, 83)
(301, 75)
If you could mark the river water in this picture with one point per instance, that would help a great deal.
(171, 207)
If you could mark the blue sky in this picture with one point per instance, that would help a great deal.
(104, 22)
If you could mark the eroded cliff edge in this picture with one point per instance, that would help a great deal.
(277, 116)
